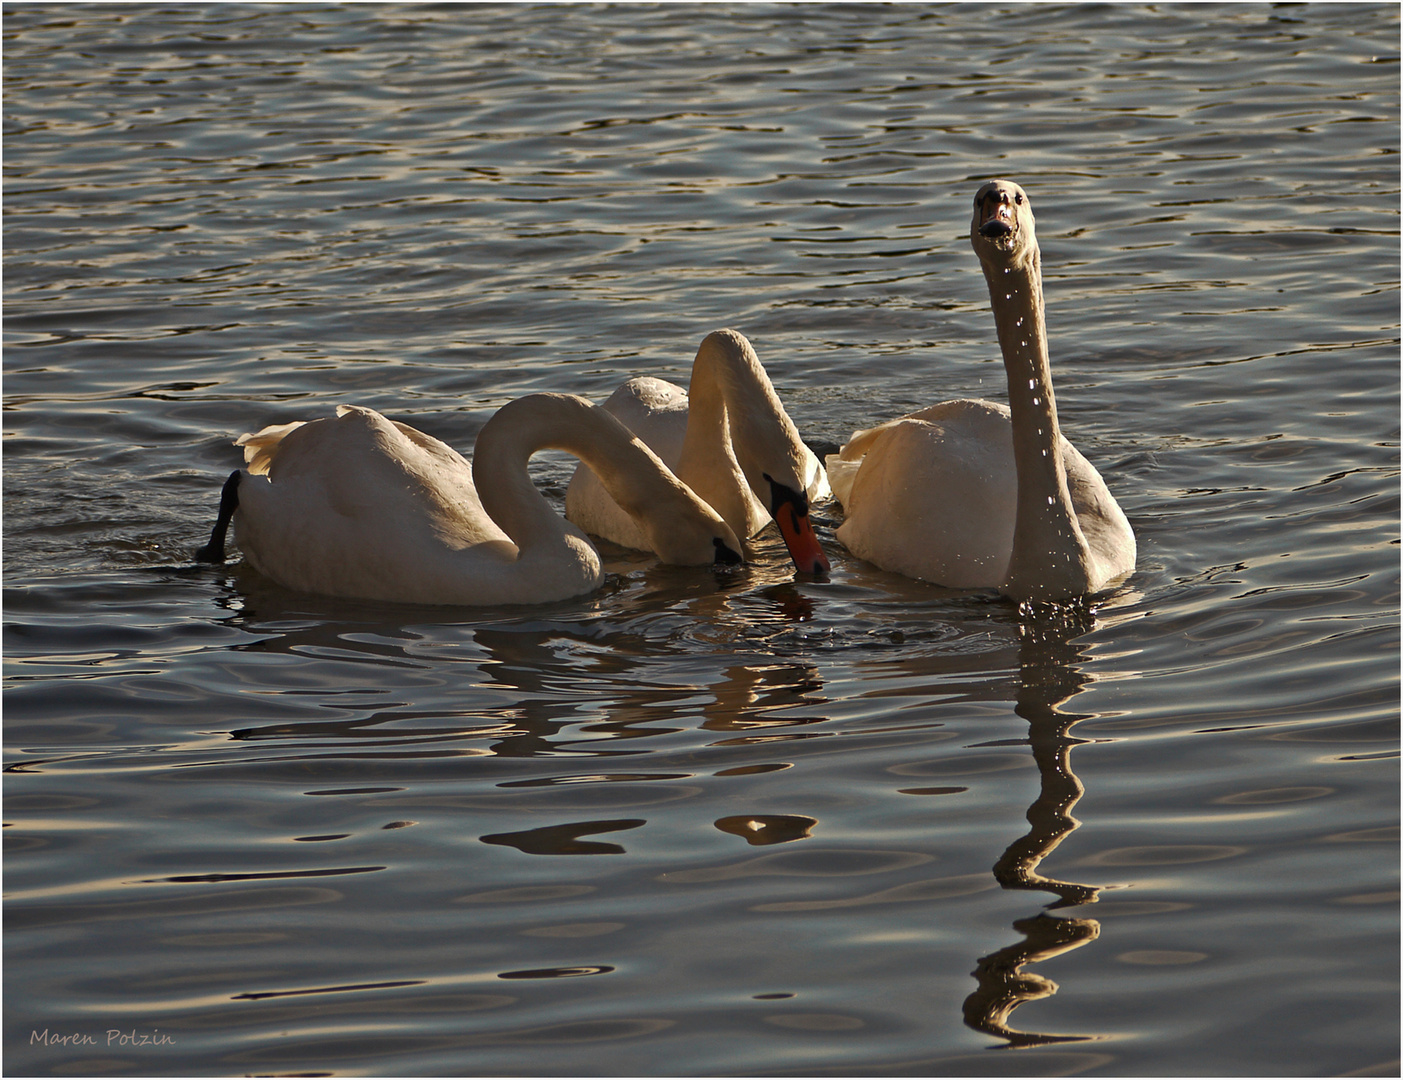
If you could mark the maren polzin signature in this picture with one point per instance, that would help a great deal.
(112, 1037)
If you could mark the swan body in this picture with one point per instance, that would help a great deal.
(973, 494)
(729, 439)
(364, 507)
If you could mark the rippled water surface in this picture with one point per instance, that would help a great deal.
(701, 822)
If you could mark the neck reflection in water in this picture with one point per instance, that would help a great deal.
(1048, 677)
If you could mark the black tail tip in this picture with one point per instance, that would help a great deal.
(213, 552)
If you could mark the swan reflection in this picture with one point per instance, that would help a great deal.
(592, 691)
(1048, 677)
(1004, 985)
(750, 697)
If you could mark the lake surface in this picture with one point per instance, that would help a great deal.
(701, 822)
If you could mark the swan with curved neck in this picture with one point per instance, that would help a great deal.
(729, 440)
(363, 507)
(973, 494)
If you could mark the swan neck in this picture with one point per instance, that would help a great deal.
(678, 527)
(1050, 554)
(500, 458)
(708, 428)
(1017, 299)
(728, 387)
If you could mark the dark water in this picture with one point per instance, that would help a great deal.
(700, 823)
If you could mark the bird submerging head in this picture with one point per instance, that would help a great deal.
(364, 507)
(728, 438)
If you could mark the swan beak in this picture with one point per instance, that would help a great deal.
(790, 509)
(995, 218)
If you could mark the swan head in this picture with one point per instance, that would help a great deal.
(790, 509)
(1002, 231)
(685, 531)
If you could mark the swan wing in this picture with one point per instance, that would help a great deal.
(932, 495)
(843, 467)
(816, 482)
(361, 506)
(1109, 538)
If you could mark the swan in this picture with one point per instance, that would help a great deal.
(730, 441)
(973, 494)
(364, 507)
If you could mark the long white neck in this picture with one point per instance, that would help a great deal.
(680, 528)
(1050, 556)
(737, 429)
(500, 456)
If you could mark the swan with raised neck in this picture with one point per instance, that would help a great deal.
(363, 507)
(970, 493)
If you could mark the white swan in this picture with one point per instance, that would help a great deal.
(730, 441)
(975, 494)
(360, 506)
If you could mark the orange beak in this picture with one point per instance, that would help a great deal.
(790, 510)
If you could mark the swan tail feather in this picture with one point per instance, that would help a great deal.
(841, 475)
(843, 466)
(260, 447)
